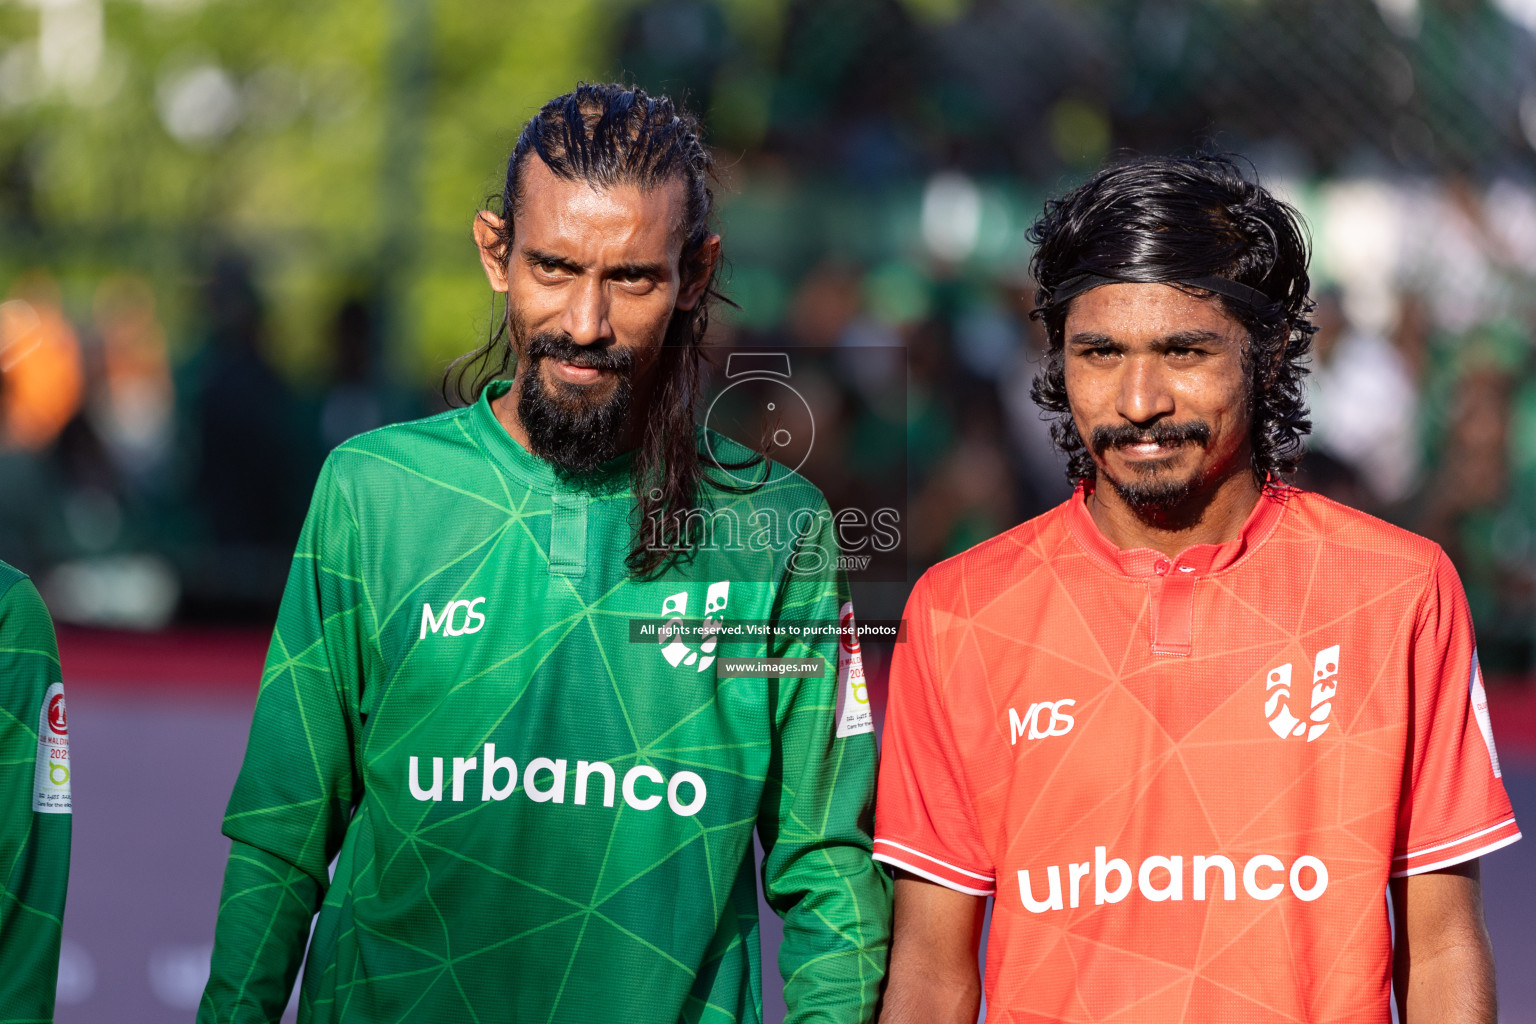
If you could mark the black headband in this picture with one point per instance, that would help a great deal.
(1074, 286)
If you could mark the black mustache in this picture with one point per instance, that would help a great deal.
(1163, 433)
(559, 345)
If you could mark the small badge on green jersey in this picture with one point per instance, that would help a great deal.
(853, 712)
(50, 781)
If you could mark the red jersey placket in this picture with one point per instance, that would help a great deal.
(1171, 582)
(1172, 589)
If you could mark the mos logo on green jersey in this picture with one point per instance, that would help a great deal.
(449, 621)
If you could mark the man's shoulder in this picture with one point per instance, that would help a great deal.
(9, 577)
(736, 474)
(1312, 518)
(428, 432)
(416, 447)
(21, 606)
(1007, 560)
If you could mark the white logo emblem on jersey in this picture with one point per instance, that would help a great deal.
(1277, 709)
(450, 622)
(1043, 719)
(673, 648)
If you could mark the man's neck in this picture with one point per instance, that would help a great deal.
(1214, 516)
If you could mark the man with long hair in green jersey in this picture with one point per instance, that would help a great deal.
(535, 815)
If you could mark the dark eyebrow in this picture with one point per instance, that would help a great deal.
(536, 256)
(1178, 339)
(653, 270)
(1184, 339)
(1092, 339)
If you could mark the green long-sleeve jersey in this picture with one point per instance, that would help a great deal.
(534, 814)
(34, 803)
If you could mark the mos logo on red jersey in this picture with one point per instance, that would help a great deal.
(1312, 720)
(1043, 719)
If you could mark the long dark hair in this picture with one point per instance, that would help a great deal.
(1170, 220)
(610, 134)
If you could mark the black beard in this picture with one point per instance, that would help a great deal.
(1155, 501)
(566, 424)
(1152, 497)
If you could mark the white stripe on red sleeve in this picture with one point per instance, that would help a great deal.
(1456, 851)
(927, 866)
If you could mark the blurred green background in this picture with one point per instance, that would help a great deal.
(232, 233)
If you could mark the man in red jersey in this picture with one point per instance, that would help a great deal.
(1192, 725)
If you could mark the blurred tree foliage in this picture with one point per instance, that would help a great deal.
(273, 126)
(346, 145)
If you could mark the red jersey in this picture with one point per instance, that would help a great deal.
(1187, 780)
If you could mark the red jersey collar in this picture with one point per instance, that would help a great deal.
(1199, 560)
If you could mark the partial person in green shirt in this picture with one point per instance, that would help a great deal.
(35, 813)
(504, 800)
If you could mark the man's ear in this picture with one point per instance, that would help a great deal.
(487, 230)
(697, 273)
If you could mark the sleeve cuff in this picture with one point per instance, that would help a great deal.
(932, 868)
(1444, 855)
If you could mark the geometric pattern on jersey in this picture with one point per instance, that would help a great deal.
(533, 818)
(1189, 779)
(35, 822)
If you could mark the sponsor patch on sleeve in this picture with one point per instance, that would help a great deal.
(1480, 712)
(50, 780)
(853, 712)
